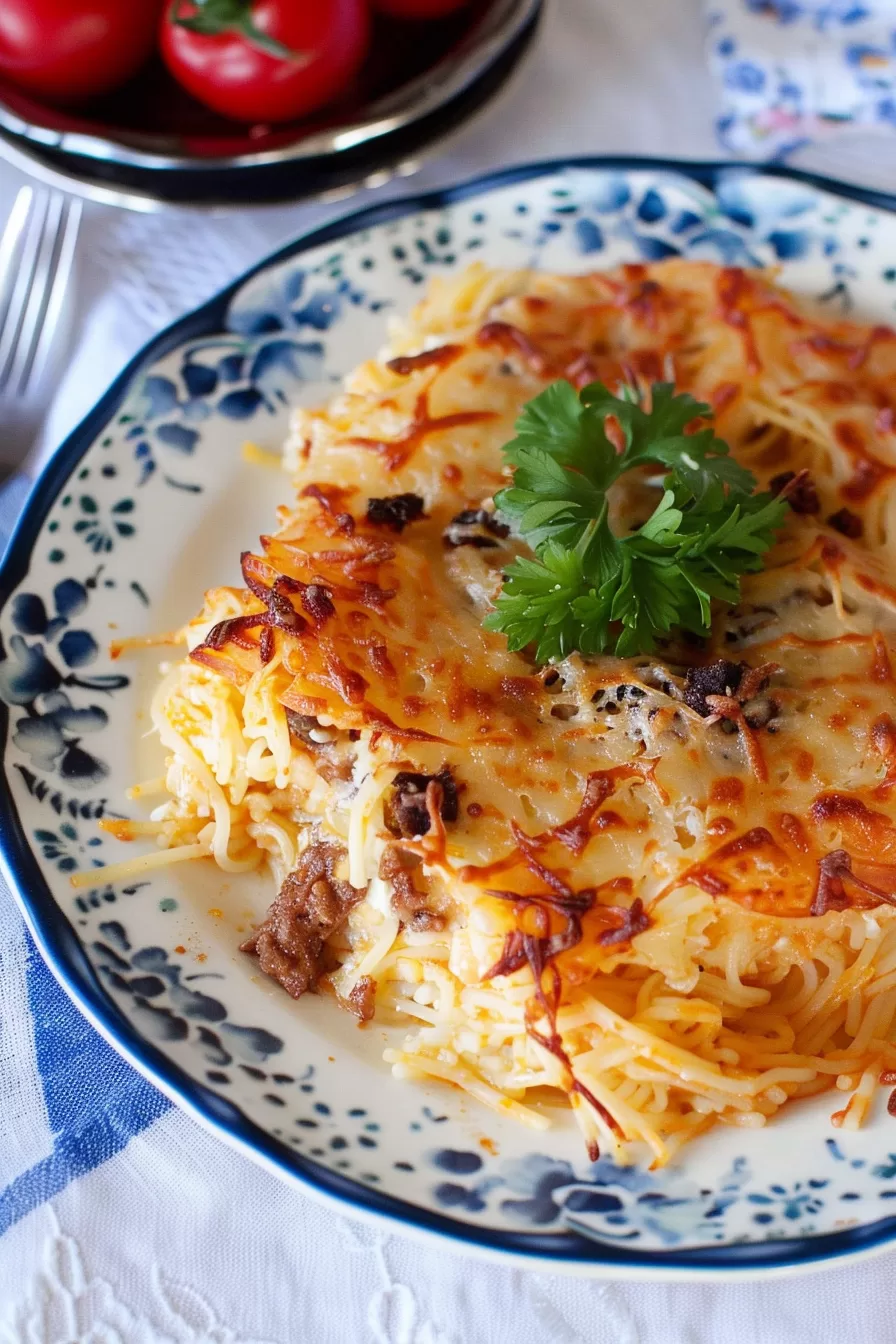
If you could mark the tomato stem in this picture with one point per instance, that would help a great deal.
(210, 18)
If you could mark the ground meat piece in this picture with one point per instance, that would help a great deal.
(720, 678)
(407, 902)
(395, 511)
(300, 726)
(847, 522)
(311, 905)
(329, 762)
(362, 999)
(406, 812)
(803, 497)
(474, 527)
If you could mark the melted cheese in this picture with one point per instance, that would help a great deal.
(718, 826)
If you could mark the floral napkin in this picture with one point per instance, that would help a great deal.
(794, 72)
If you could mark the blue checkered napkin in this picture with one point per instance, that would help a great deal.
(67, 1101)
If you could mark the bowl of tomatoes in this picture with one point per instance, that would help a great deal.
(226, 102)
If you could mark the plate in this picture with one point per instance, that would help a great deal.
(151, 143)
(148, 503)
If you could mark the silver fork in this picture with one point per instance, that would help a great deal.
(36, 253)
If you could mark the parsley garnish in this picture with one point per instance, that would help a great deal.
(589, 590)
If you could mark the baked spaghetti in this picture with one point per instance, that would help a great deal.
(661, 887)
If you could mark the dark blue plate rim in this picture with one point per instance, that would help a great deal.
(59, 944)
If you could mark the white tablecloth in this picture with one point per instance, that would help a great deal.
(178, 1239)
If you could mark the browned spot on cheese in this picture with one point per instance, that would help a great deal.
(883, 740)
(378, 657)
(881, 667)
(733, 288)
(440, 357)
(868, 471)
(803, 763)
(348, 684)
(756, 838)
(728, 789)
(871, 584)
(752, 869)
(869, 835)
(511, 338)
(609, 821)
(794, 830)
(396, 452)
(723, 395)
(704, 878)
(838, 806)
(519, 691)
(832, 554)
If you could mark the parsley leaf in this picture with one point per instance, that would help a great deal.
(658, 436)
(589, 590)
(548, 500)
(563, 463)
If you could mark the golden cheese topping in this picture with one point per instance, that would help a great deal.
(634, 872)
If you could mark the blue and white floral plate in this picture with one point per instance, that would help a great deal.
(150, 502)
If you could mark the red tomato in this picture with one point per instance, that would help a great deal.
(418, 9)
(70, 49)
(264, 60)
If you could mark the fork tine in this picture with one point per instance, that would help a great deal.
(59, 264)
(38, 295)
(9, 246)
(35, 300)
(22, 284)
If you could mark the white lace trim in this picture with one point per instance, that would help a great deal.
(66, 1304)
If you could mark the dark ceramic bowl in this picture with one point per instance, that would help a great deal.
(152, 144)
